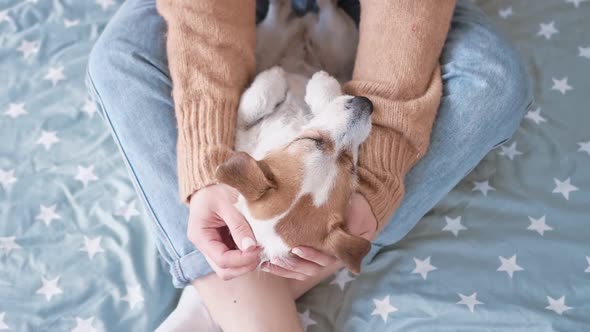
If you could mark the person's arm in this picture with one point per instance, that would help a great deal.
(211, 55)
(397, 67)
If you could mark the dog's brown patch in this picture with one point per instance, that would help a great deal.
(271, 186)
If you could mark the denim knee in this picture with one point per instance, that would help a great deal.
(486, 83)
(511, 77)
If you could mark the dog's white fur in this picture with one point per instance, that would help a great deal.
(297, 94)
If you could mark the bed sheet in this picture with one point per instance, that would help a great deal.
(77, 254)
(509, 248)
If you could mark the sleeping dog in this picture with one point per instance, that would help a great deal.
(298, 135)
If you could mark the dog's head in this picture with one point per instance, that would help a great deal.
(297, 194)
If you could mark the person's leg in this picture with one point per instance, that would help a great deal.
(242, 304)
(486, 92)
(128, 76)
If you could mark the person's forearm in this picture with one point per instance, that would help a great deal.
(397, 67)
(211, 56)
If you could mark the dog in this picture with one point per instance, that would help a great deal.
(298, 135)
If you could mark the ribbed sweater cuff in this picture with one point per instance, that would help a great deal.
(382, 170)
(205, 140)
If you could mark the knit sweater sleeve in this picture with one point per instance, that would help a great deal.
(397, 67)
(211, 57)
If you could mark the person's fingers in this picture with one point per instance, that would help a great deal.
(282, 272)
(209, 242)
(298, 265)
(238, 227)
(314, 256)
(227, 259)
(230, 273)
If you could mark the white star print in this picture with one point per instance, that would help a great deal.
(49, 288)
(28, 48)
(15, 110)
(423, 267)
(454, 225)
(547, 30)
(105, 4)
(4, 16)
(584, 52)
(47, 214)
(584, 147)
(505, 12)
(68, 24)
(470, 301)
(305, 320)
(564, 188)
(8, 244)
(509, 265)
(588, 268)
(483, 186)
(89, 108)
(84, 325)
(127, 211)
(133, 296)
(561, 85)
(383, 308)
(576, 3)
(3, 325)
(86, 174)
(92, 246)
(558, 306)
(342, 278)
(55, 74)
(510, 152)
(7, 178)
(539, 225)
(47, 139)
(535, 116)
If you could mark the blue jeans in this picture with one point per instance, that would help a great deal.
(486, 94)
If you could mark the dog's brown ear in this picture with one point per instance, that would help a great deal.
(250, 177)
(350, 249)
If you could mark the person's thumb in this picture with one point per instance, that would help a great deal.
(239, 228)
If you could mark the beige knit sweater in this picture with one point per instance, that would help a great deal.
(211, 54)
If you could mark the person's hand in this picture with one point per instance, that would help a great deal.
(306, 262)
(221, 233)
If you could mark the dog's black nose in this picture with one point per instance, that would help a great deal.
(362, 103)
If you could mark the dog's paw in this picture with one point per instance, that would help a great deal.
(321, 89)
(273, 81)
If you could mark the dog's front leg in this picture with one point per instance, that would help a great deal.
(268, 90)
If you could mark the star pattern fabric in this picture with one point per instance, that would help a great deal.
(557, 305)
(535, 116)
(561, 85)
(47, 139)
(539, 225)
(383, 308)
(15, 110)
(341, 278)
(510, 238)
(483, 187)
(92, 246)
(306, 320)
(423, 267)
(509, 265)
(134, 296)
(47, 214)
(470, 301)
(50, 288)
(454, 225)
